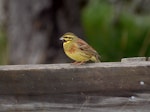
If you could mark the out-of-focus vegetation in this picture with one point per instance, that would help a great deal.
(116, 32)
(3, 46)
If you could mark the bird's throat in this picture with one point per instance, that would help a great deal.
(67, 45)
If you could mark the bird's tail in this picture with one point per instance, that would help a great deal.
(96, 58)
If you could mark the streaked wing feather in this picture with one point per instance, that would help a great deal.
(87, 49)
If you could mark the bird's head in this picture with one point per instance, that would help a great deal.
(68, 37)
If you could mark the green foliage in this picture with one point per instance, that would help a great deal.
(3, 46)
(116, 36)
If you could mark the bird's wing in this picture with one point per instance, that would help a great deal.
(87, 49)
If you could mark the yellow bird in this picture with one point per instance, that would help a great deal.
(78, 50)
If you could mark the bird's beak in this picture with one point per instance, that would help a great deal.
(61, 38)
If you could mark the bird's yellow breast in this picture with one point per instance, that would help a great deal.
(72, 51)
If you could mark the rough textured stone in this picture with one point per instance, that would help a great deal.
(96, 87)
(133, 59)
(113, 78)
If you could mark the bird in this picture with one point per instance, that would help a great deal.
(78, 50)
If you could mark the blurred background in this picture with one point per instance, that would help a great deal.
(30, 29)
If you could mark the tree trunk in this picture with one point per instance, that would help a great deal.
(34, 28)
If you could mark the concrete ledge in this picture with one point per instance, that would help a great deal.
(137, 59)
(75, 103)
(66, 78)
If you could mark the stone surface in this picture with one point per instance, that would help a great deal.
(95, 87)
(105, 78)
(137, 59)
(75, 103)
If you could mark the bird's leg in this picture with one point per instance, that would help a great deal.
(75, 63)
(82, 62)
(78, 63)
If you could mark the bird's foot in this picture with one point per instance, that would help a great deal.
(78, 63)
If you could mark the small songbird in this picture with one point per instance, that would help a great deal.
(78, 50)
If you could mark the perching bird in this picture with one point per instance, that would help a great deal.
(78, 50)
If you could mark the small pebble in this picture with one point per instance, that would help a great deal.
(142, 83)
(132, 98)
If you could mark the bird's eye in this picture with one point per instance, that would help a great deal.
(67, 38)
(70, 38)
